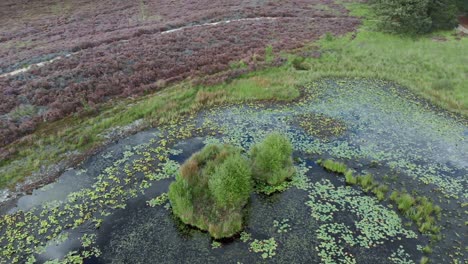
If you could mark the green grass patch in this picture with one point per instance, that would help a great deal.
(333, 166)
(211, 190)
(272, 160)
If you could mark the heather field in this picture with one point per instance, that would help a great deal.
(123, 51)
(250, 131)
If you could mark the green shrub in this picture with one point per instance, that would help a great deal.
(443, 14)
(272, 160)
(211, 190)
(416, 16)
(462, 5)
(230, 183)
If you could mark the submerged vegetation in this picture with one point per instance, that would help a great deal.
(321, 126)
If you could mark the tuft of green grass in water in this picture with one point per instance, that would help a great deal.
(272, 160)
(424, 260)
(427, 249)
(404, 202)
(419, 209)
(350, 179)
(211, 190)
(366, 182)
(380, 191)
(333, 166)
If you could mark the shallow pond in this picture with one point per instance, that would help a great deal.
(99, 211)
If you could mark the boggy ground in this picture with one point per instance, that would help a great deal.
(105, 214)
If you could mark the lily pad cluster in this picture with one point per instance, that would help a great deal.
(375, 224)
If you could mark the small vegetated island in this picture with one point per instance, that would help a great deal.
(213, 186)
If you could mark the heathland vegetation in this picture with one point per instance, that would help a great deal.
(437, 74)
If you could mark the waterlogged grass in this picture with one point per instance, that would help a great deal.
(333, 166)
(419, 209)
(374, 223)
(322, 126)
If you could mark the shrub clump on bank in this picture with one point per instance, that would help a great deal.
(416, 16)
(211, 190)
(272, 160)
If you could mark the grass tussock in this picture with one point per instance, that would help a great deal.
(272, 160)
(211, 190)
(419, 209)
(214, 184)
(333, 166)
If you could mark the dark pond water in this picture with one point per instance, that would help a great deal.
(388, 132)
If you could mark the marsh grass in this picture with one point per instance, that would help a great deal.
(419, 209)
(271, 160)
(366, 182)
(333, 166)
(211, 190)
(424, 260)
(350, 179)
(380, 191)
